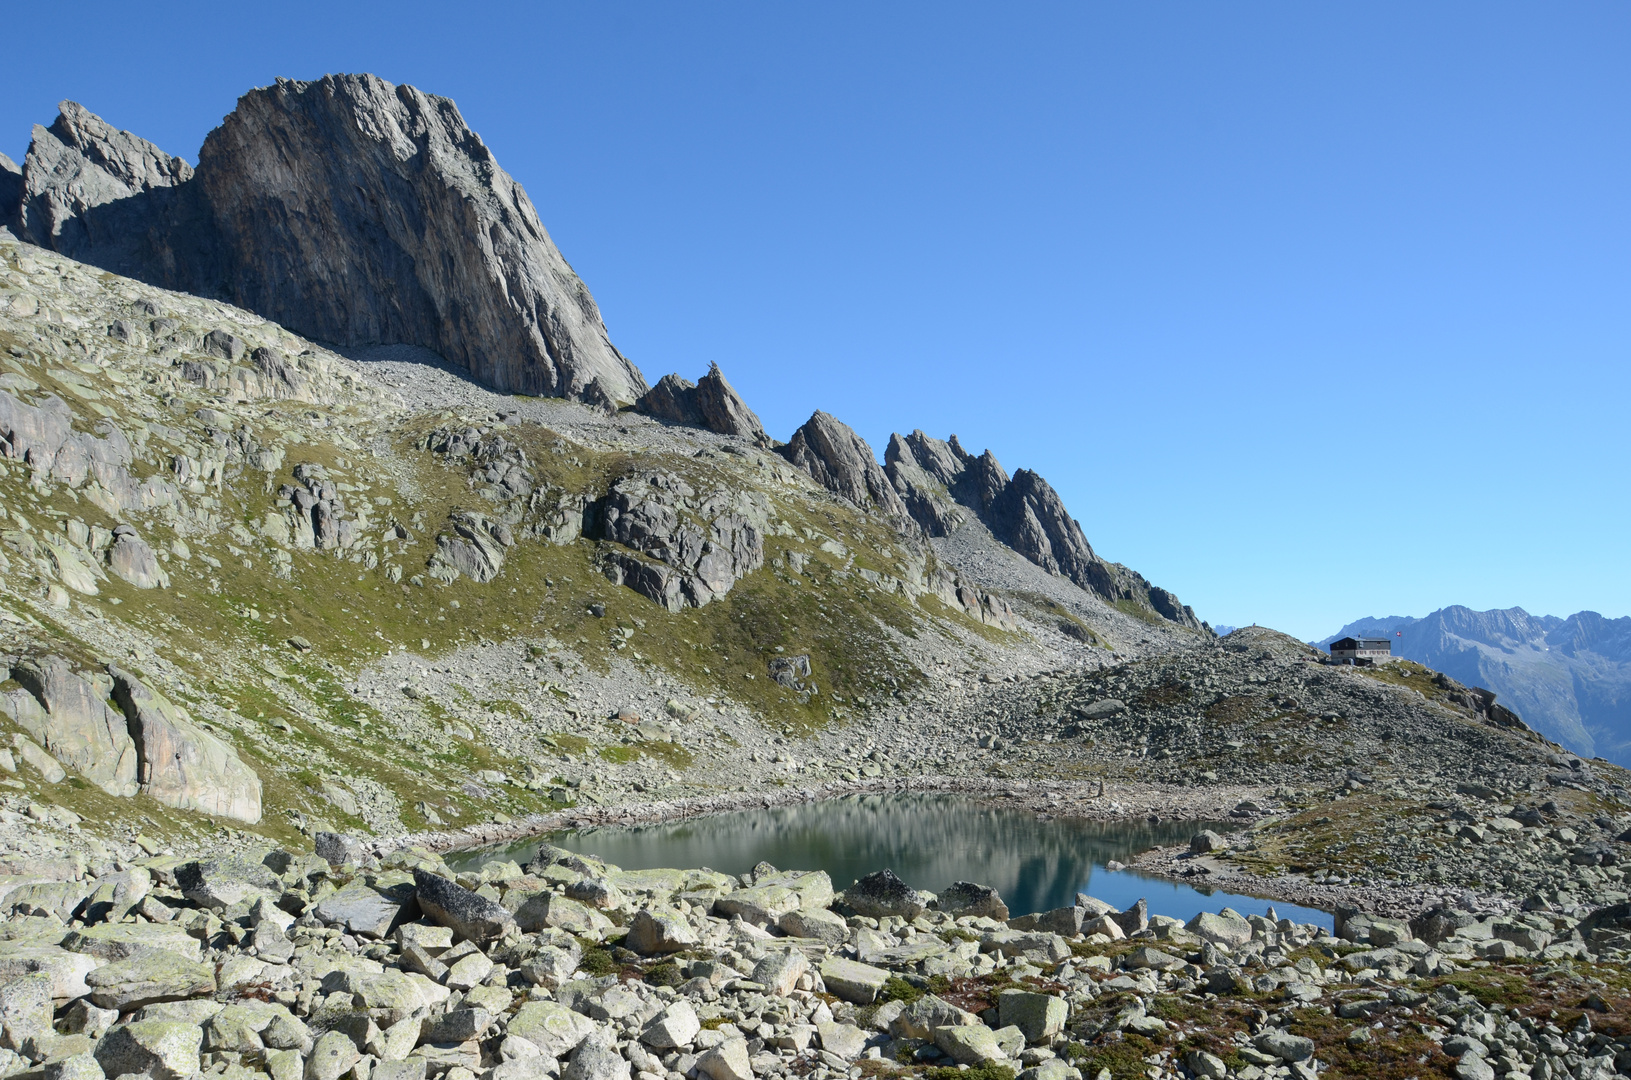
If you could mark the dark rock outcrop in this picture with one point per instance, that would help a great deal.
(347, 209)
(938, 481)
(472, 917)
(842, 462)
(880, 895)
(11, 188)
(711, 403)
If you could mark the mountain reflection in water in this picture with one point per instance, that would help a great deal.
(930, 841)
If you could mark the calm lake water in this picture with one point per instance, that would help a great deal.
(929, 841)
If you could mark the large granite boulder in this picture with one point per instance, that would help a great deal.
(842, 462)
(965, 898)
(472, 917)
(348, 209)
(68, 712)
(133, 559)
(182, 765)
(881, 894)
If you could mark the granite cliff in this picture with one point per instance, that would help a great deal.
(348, 209)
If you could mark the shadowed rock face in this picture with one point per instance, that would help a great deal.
(81, 162)
(938, 480)
(11, 188)
(842, 462)
(357, 211)
(348, 209)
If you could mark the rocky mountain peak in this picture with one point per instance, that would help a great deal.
(348, 209)
(842, 462)
(357, 211)
(933, 478)
(81, 162)
(711, 403)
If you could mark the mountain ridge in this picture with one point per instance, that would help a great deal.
(1570, 678)
(358, 212)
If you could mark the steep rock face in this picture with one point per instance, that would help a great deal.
(842, 462)
(1570, 679)
(920, 477)
(357, 211)
(711, 403)
(936, 479)
(67, 712)
(348, 209)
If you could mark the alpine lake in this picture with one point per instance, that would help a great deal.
(1037, 862)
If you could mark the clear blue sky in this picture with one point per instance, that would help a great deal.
(1310, 311)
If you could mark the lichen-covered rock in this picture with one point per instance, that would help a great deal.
(964, 898)
(882, 894)
(550, 1026)
(596, 1058)
(67, 711)
(148, 977)
(471, 917)
(224, 880)
(25, 1008)
(161, 1049)
(366, 910)
(659, 931)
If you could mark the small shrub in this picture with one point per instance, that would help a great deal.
(666, 973)
(984, 1071)
(597, 962)
(898, 989)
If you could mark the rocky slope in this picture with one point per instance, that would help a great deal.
(1569, 678)
(321, 966)
(398, 600)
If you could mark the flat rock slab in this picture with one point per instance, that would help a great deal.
(367, 911)
(550, 1026)
(67, 970)
(149, 978)
(121, 941)
(852, 981)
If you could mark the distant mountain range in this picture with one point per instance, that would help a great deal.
(1569, 679)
